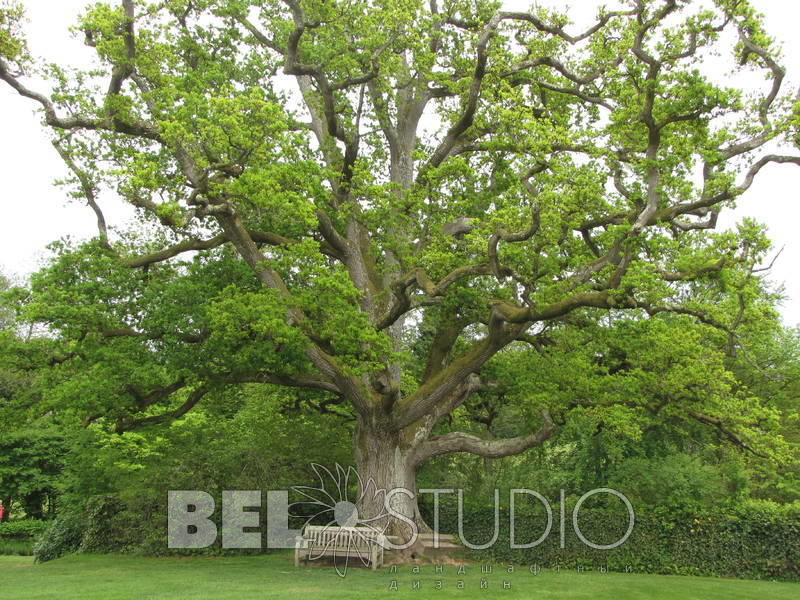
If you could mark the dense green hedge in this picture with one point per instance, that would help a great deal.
(105, 524)
(17, 537)
(759, 541)
(22, 528)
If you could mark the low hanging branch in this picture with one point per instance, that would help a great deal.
(464, 442)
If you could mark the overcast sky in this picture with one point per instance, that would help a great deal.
(35, 213)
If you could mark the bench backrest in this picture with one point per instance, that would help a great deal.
(342, 537)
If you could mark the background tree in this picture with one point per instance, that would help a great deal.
(364, 178)
(30, 463)
(6, 316)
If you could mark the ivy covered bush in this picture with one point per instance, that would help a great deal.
(757, 540)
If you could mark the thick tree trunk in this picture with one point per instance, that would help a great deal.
(386, 465)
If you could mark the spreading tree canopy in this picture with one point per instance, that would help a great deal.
(396, 206)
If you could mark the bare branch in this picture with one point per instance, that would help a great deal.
(132, 127)
(89, 192)
(778, 73)
(511, 237)
(726, 432)
(189, 245)
(298, 381)
(121, 72)
(194, 397)
(464, 442)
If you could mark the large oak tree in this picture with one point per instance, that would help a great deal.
(395, 205)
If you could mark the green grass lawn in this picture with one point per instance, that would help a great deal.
(122, 577)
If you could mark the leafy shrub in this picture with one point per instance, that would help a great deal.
(676, 482)
(22, 528)
(103, 532)
(93, 527)
(64, 536)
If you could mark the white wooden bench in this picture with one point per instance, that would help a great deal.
(317, 541)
